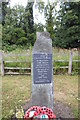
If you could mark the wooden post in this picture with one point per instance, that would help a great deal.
(70, 62)
(2, 65)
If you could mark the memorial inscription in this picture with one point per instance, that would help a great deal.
(42, 68)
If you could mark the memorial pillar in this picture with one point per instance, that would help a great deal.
(42, 71)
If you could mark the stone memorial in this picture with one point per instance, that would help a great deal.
(42, 71)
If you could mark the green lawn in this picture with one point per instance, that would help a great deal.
(16, 91)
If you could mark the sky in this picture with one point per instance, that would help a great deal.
(24, 2)
(21, 2)
(38, 17)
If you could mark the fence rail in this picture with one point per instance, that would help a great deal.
(20, 68)
(53, 61)
(27, 69)
(15, 61)
(28, 73)
(16, 68)
(15, 73)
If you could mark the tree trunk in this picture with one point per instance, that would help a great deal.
(70, 62)
(2, 65)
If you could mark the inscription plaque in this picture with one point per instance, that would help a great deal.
(42, 68)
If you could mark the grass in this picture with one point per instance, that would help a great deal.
(63, 54)
(16, 91)
(60, 54)
(20, 54)
(66, 91)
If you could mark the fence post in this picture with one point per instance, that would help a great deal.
(2, 65)
(70, 62)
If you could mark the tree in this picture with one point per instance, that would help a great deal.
(29, 24)
(39, 27)
(69, 24)
(48, 11)
(49, 19)
(12, 28)
(0, 13)
(67, 34)
(18, 28)
(4, 12)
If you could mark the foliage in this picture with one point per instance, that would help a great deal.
(63, 25)
(49, 16)
(29, 24)
(39, 27)
(0, 36)
(49, 10)
(0, 12)
(18, 28)
(4, 12)
(68, 28)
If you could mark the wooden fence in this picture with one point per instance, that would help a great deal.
(9, 69)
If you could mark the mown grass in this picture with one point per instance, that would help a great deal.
(66, 91)
(16, 91)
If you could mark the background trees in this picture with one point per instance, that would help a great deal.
(29, 24)
(18, 28)
(63, 25)
(49, 15)
(67, 34)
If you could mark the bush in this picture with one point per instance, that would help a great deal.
(9, 48)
